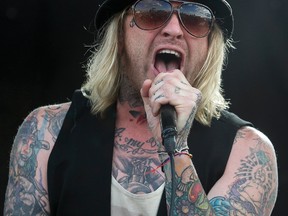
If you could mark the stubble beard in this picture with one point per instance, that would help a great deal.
(130, 83)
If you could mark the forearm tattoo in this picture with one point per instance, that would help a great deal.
(183, 134)
(190, 196)
(26, 194)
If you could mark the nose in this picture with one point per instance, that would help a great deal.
(173, 27)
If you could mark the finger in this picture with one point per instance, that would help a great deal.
(165, 89)
(145, 88)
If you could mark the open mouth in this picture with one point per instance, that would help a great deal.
(167, 60)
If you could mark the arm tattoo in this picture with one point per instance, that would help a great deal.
(190, 196)
(25, 194)
(253, 191)
(256, 171)
(183, 134)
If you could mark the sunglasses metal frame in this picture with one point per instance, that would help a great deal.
(174, 9)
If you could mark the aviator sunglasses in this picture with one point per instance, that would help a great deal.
(196, 18)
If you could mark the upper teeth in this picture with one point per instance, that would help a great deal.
(170, 52)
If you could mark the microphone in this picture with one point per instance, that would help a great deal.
(169, 133)
(168, 127)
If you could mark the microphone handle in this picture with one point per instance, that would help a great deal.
(168, 127)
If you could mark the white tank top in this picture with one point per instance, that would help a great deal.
(125, 203)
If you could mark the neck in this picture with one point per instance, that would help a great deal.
(130, 106)
(129, 94)
(130, 114)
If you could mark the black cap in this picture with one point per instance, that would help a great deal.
(221, 9)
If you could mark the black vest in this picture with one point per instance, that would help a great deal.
(79, 167)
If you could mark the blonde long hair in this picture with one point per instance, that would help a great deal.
(103, 75)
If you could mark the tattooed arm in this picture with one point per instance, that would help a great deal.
(248, 186)
(250, 182)
(26, 192)
(190, 197)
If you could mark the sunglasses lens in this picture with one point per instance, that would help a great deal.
(196, 19)
(151, 14)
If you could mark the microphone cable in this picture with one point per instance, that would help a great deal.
(169, 134)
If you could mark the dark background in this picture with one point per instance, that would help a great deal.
(43, 46)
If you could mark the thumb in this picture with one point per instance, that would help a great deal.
(145, 91)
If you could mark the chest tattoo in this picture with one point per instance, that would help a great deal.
(135, 162)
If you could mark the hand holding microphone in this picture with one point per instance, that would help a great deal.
(170, 104)
(170, 100)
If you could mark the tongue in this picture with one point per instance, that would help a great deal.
(162, 66)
